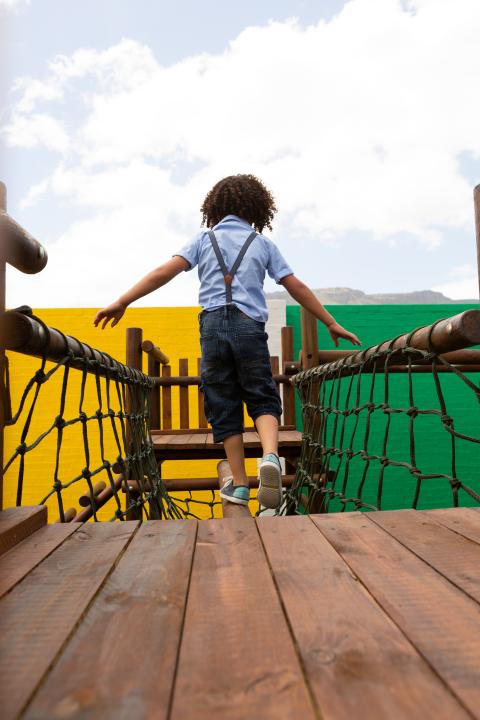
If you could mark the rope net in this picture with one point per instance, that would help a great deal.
(367, 445)
(99, 422)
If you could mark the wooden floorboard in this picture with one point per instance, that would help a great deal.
(39, 614)
(17, 523)
(465, 521)
(120, 664)
(440, 621)
(451, 554)
(21, 559)
(353, 654)
(237, 658)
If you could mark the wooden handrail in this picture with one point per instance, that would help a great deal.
(155, 352)
(18, 247)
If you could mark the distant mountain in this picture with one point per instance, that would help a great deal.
(347, 296)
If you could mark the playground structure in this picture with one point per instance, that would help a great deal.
(363, 614)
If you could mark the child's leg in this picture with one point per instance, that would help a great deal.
(267, 428)
(235, 455)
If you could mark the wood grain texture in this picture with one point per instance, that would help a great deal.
(441, 621)
(121, 662)
(39, 614)
(17, 523)
(237, 658)
(353, 654)
(21, 559)
(465, 521)
(451, 554)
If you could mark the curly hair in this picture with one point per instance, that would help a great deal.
(242, 195)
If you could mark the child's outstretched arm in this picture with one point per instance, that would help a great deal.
(154, 280)
(303, 295)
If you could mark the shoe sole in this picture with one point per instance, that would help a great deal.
(270, 491)
(236, 501)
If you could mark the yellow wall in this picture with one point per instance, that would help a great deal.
(174, 330)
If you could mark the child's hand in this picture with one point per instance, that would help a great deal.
(113, 312)
(337, 331)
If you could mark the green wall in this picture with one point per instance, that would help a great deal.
(432, 443)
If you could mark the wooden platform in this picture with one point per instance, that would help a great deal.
(198, 444)
(338, 617)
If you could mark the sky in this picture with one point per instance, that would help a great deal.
(362, 117)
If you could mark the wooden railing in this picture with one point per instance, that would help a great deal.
(159, 367)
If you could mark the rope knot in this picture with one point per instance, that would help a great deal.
(86, 474)
(59, 422)
(412, 412)
(57, 486)
(447, 420)
(111, 413)
(40, 377)
(22, 448)
(98, 414)
(83, 417)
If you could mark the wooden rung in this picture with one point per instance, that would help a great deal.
(211, 483)
(184, 409)
(154, 351)
(86, 499)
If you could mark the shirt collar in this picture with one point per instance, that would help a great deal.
(234, 218)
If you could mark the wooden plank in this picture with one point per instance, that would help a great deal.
(237, 658)
(438, 619)
(21, 559)
(183, 393)
(166, 400)
(448, 553)
(353, 654)
(154, 371)
(17, 523)
(288, 391)
(39, 614)
(465, 521)
(121, 661)
(202, 420)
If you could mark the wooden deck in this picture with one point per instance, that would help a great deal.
(198, 444)
(371, 616)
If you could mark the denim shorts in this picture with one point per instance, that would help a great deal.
(235, 368)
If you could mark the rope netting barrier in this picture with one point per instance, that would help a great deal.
(99, 423)
(368, 444)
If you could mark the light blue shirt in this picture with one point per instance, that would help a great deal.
(247, 287)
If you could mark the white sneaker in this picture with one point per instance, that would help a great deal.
(270, 482)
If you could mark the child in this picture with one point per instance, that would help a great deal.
(232, 259)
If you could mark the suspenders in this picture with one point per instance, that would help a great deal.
(229, 275)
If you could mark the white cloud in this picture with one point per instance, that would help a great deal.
(356, 124)
(14, 5)
(462, 285)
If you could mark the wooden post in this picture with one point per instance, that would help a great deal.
(476, 203)
(183, 392)
(134, 360)
(288, 391)
(154, 371)
(166, 400)
(3, 208)
(202, 420)
(230, 510)
(309, 339)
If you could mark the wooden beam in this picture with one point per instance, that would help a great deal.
(184, 409)
(309, 339)
(155, 352)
